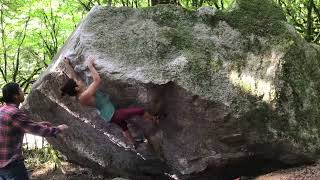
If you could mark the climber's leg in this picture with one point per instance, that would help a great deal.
(129, 137)
(148, 117)
(120, 116)
(127, 113)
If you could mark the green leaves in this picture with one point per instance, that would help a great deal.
(31, 32)
(305, 16)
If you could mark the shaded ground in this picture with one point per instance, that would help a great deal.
(75, 172)
(66, 172)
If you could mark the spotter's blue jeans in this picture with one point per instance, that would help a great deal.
(14, 171)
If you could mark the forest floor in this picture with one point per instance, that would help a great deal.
(67, 171)
(70, 171)
(310, 172)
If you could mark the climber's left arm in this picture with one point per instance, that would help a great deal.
(71, 73)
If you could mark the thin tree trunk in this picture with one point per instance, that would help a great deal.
(3, 39)
(17, 64)
(309, 21)
(51, 26)
(25, 136)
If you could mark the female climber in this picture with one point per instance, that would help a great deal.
(91, 96)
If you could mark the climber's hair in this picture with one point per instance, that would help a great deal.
(69, 88)
(9, 91)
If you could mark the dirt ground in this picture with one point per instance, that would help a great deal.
(67, 171)
(311, 172)
(74, 172)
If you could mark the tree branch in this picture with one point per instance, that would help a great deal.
(317, 38)
(16, 69)
(28, 81)
(46, 44)
(86, 7)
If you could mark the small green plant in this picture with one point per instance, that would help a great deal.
(39, 156)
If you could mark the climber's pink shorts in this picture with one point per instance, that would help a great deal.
(121, 115)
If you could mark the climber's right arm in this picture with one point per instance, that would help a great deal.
(93, 87)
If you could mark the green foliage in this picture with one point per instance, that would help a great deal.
(39, 156)
(31, 32)
(304, 15)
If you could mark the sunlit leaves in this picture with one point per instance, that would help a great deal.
(297, 15)
(49, 25)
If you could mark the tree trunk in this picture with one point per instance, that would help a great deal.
(309, 21)
(3, 39)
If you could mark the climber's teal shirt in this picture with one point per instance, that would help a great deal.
(104, 106)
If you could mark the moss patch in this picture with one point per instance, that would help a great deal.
(169, 15)
(260, 17)
(201, 68)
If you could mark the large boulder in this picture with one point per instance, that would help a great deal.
(232, 88)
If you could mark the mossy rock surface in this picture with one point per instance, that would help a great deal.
(229, 86)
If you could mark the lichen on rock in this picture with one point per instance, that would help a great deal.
(231, 87)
